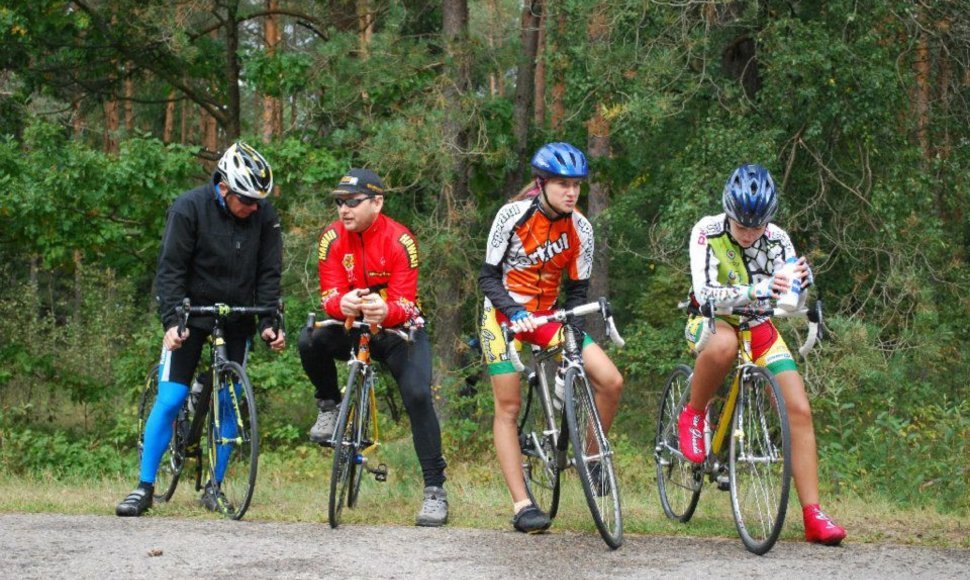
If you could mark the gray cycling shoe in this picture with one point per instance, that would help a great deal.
(434, 510)
(322, 430)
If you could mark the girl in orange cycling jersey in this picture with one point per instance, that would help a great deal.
(535, 245)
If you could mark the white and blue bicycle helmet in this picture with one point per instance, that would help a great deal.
(750, 197)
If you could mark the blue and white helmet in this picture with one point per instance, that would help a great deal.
(559, 159)
(749, 196)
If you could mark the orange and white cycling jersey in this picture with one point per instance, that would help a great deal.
(528, 255)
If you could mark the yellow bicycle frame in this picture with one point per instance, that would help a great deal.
(744, 358)
(372, 401)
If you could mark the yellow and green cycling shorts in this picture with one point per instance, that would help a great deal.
(768, 348)
(495, 348)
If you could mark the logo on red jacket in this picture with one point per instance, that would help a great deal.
(349, 266)
(411, 248)
(325, 240)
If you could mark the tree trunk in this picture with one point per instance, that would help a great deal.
(598, 145)
(365, 26)
(111, 124)
(922, 97)
(186, 127)
(78, 294)
(558, 108)
(540, 75)
(454, 200)
(524, 90)
(129, 99)
(169, 125)
(208, 126)
(232, 70)
(271, 104)
(210, 131)
(77, 119)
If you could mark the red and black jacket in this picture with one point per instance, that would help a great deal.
(383, 259)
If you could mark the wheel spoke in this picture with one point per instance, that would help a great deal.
(537, 442)
(678, 480)
(759, 461)
(234, 440)
(593, 458)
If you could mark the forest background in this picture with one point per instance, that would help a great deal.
(860, 109)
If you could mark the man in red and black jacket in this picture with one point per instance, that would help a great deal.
(369, 270)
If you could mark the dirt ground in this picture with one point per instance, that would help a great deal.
(62, 546)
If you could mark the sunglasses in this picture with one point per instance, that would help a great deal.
(245, 200)
(353, 202)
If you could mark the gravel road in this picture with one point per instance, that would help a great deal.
(60, 546)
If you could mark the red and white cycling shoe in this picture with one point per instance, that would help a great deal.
(690, 425)
(819, 528)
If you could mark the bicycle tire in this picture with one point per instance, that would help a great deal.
(361, 428)
(236, 438)
(586, 434)
(539, 466)
(679, 481)
(173, 459)
(759, 460)
(344, 449)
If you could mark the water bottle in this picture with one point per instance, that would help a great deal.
(194, 392)
(559, 394)
(789, 300)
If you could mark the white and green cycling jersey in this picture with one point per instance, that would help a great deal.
(722, 271)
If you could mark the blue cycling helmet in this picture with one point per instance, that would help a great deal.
(560, 160)
(749, 196)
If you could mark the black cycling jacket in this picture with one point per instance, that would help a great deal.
(211, 256)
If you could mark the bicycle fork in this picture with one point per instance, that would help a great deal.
(360, 457)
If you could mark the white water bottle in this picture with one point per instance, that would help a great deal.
(194, 393)
(560, 391)
(789, 300)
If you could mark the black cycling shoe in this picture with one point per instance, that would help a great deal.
(215, 501)
(531, 520)
(600, 481)
(136, 503)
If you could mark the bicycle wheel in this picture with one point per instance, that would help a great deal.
(678, 480)
(361, 429)
(539, 467)
(760, 460)
(593, 458)
(233, 442)
(345, 446)
(173, 459)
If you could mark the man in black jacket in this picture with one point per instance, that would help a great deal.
(222, 243)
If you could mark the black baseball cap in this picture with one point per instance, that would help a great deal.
(359, 181)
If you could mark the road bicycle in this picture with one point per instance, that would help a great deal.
(220, 432)
(356, 434)
(545, 432)
(747, 436)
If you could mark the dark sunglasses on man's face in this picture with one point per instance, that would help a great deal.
(353, 202)
(245, 200)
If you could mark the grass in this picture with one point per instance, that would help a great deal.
(293, 486)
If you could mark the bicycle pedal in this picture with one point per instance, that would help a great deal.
(723, 483)
(380, 472)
